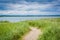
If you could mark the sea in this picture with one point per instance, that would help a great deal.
(16, 19)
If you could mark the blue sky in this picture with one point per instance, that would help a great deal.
(29, 7)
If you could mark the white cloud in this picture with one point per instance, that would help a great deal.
(31, 6)
(26, 9)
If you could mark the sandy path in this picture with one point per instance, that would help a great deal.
(33, 34)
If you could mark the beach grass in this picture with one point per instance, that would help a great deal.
(50, 28)
(13, 31)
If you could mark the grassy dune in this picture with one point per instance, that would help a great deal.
(14, 31)
(49, 27)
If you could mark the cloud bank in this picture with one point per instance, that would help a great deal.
(29, 8)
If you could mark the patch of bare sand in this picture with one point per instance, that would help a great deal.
(33, 34)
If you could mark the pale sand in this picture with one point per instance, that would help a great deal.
(33, 34)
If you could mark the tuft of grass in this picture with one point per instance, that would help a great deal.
(12, 31)
(51, 33)
(50, 28)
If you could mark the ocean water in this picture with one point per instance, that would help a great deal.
(16, 19)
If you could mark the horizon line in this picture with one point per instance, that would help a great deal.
(29, 15)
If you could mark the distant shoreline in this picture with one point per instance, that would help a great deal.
(29, 15)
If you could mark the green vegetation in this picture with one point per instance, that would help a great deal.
(14, 31)
(49, 27)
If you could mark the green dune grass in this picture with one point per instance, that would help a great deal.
(14, 31)
(49, 27)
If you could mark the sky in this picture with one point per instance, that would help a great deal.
(29, 7)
